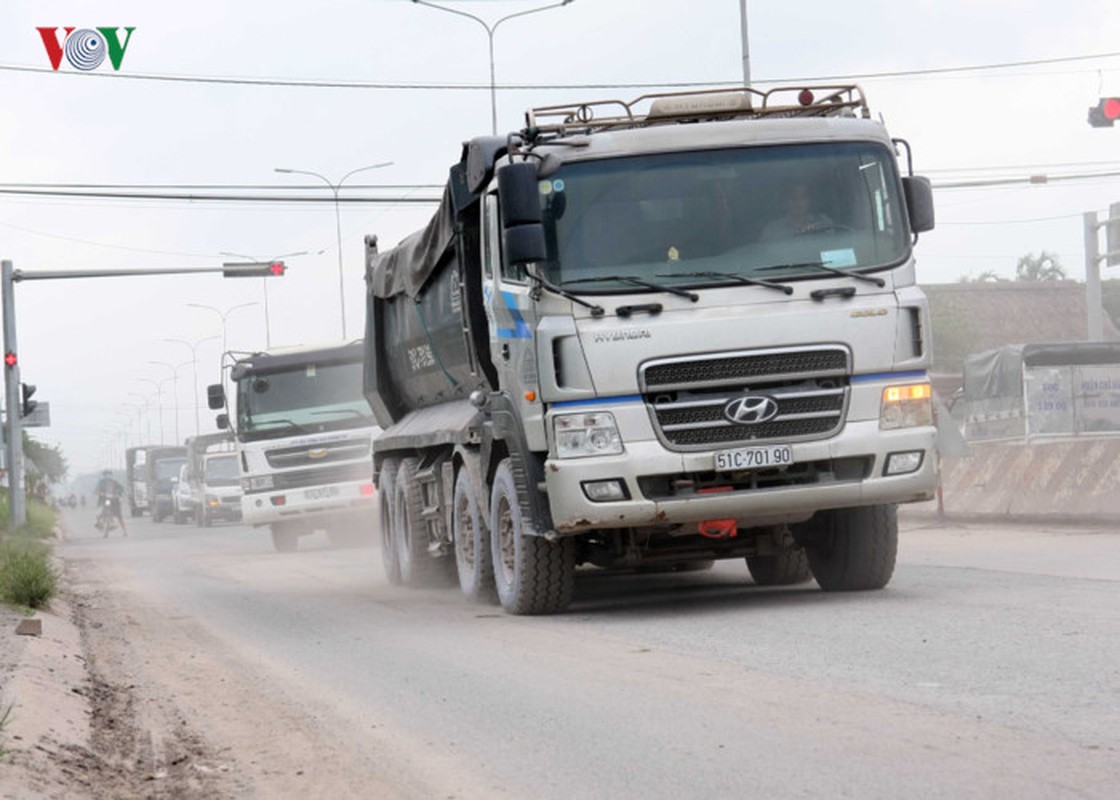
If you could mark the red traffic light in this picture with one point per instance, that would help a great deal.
(1105, 113)
(254, 269)
(10, 359)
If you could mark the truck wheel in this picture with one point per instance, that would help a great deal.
(285, 538)
(853, 549)
(786, 568)
(387, 511)
(418, 567)
(532, 575)
(472, 542)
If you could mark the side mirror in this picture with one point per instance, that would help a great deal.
(919, 203)
(524, 244)
(523, 239)
(215, 397)
(222, 421)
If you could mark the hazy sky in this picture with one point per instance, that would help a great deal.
(88, 344)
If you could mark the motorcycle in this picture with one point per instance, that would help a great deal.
(106, 518)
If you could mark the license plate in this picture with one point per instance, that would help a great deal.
(775, 455)
(321, 492)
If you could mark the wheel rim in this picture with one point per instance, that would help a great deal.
(507, 540)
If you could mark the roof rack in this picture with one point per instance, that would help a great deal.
(740, 102)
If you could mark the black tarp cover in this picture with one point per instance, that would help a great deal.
(406, 268)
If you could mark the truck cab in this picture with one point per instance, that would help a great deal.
(304, 436)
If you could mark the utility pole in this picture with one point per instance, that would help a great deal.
(14, 429)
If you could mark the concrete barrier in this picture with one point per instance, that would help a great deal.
(1073, 480)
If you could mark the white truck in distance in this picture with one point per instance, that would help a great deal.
(654, 334)
(304, 434)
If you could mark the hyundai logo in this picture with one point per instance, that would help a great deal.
(751, 409)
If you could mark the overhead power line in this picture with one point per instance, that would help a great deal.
(218, 198)
(413, 86)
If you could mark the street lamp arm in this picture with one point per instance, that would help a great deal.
(342, 180)
(323, 178)
(479, 20)
(529, 11)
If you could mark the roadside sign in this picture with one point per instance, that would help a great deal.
(40, 417)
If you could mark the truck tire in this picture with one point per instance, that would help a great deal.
(418, 567)
(853, 549)
(789, 567)
(472, 542)
(532, 575)
(387, 513)
(285, 537)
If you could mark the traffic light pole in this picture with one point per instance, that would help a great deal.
(13, 439)
(17, 503)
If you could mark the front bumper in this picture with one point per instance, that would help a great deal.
(307, 503)
(667, 488)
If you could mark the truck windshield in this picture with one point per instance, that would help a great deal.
(168, 468)
(726, 211)
(221, 471)
(304, 399)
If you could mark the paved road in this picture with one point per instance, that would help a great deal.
(990, 667)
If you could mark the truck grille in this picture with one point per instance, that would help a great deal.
(805, 391)
(315, 455)
(298, 479)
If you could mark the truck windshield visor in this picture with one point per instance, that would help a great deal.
(307, 398)
(724, 211)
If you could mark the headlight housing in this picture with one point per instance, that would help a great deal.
(586, 434)
(908, 406)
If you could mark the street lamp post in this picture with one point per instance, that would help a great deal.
(147, 411)
(490, 29)
(335, 187)
(224, 315)
(194, 367)
(159, 401)
(174, 391)
(264, 286)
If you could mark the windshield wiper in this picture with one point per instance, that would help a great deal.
(542, 282)
(637, 282)
(859, 276)
(731, 276)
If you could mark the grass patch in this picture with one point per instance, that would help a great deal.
(4, 717)
(27, 577)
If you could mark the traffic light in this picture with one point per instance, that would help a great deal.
(1105, 112)
(27, 405)
(253, 269)
(10, 359)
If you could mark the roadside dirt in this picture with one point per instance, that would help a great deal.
(83, 725)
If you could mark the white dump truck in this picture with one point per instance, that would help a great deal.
(654, 334)
(303, 434)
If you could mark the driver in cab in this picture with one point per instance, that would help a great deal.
(800, 216)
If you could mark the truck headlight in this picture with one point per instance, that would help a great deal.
(583, 435)
(908, 406)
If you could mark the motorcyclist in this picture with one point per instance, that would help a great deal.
(109, 488)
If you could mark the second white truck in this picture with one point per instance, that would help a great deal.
(304, 435)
